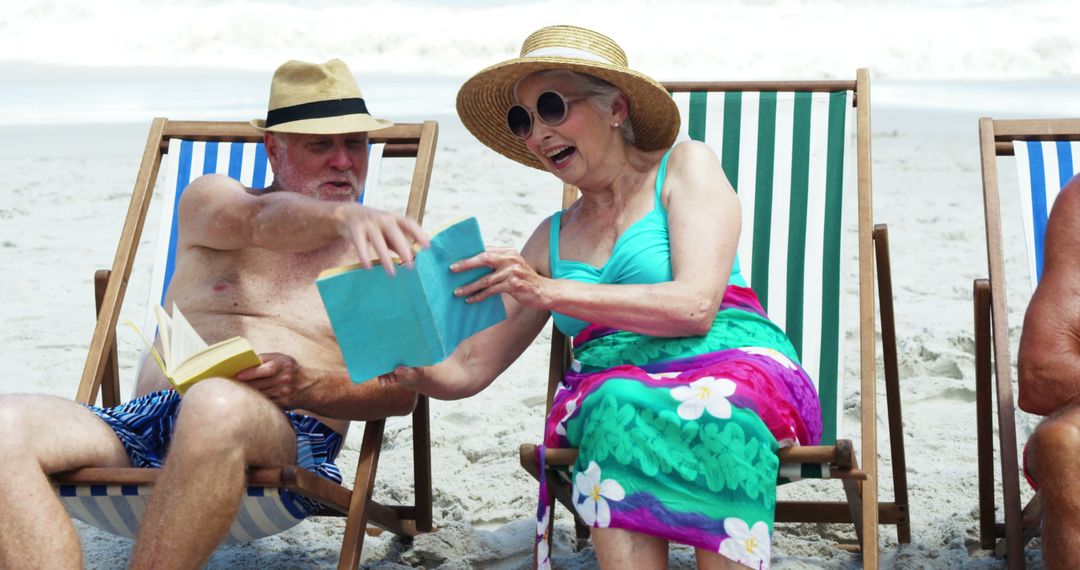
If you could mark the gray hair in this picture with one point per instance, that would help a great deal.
(599, 94)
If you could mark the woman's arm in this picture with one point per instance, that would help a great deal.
(704, 221)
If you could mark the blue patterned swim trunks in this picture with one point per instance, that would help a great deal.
(145, 428)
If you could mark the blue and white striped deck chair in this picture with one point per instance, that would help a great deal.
(244, 161)
(796, 152)
(114, 499)
(1047, 156)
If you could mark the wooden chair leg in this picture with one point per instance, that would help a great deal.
(582, 533)
(892, 381)
(353, 543)
(865, 527)
(110, 377)
(869, 524)
(422, 463)
(853, 491)
(1010, 469)
(984, 423)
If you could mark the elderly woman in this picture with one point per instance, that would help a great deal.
(681, 390)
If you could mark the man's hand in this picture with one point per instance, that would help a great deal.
(369, 229)
(281, 379)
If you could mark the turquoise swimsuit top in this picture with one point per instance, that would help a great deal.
(641, 255)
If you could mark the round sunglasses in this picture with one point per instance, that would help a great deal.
(551, 108)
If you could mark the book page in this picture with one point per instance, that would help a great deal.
(150, 347)
(456, 319)
(222, 360)
(183, 340)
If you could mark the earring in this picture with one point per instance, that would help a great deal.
(615, 125)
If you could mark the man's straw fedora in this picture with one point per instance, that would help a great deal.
(317, 98)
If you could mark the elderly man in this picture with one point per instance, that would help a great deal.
(246, 264)
(1049, 366)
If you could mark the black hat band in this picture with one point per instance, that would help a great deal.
(316, 110)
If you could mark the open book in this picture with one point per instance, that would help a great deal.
(185, 358)
(412, 318)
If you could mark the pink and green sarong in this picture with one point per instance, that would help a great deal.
(677, 437)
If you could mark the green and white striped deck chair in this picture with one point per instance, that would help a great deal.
(1047, 156)
(114, 499)
(796, 152)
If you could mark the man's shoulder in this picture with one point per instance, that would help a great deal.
(217, 183)
(213, 189)
(1062, 239)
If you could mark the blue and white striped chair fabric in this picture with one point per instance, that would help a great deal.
(242, 161)
(263, 512)
(1043, 168)
(790, 158)
(117, 509)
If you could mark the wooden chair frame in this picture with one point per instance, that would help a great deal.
(862, 508)
(992, 340)
(101, 372)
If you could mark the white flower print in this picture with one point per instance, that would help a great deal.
(664, 375)
(746, 545)
(560, 427)
(594, 509)
(771, 353)
(543, 545)
(705, 393)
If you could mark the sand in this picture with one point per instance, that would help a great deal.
(62, 201)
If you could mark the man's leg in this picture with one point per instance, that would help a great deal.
(41, 435)
(1056, 468)
(223, 427)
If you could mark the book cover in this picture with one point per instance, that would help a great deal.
(185, 358)
(413, 318)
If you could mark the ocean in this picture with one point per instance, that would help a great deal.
(70, 61)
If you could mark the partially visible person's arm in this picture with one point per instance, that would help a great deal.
(704, 221)
(1049, 358)
(217, 212)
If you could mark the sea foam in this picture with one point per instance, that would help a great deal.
(672, 39)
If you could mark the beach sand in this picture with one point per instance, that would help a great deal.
(62, 202)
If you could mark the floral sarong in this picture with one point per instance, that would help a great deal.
(677, 437)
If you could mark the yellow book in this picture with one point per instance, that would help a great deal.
(185, 358)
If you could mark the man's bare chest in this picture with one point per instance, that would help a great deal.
(255, 283)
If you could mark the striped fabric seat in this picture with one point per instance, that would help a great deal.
(798, 155)
(118, 508)
(789, 157)
(1042, 170)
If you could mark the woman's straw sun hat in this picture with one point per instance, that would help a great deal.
(483, 101)
(318, 99)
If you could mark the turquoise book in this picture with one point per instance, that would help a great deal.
(413, 318)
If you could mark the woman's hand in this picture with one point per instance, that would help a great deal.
(511, 275)
(408, 376)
